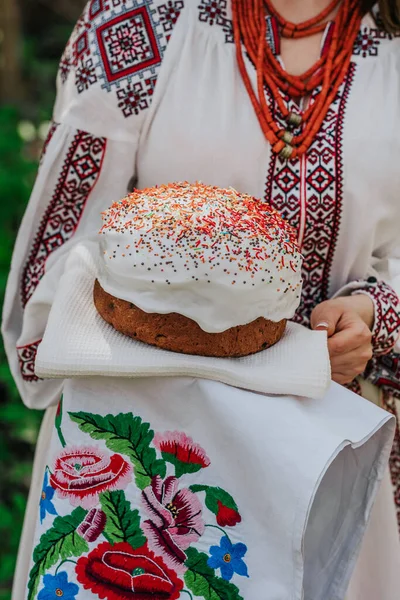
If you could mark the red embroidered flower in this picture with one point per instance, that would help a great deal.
(121, 573)
(80, 474)
(227, 516)
(180, 450)
(176, 520)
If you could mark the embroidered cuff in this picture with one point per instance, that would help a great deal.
(386, 329)
(384, 371)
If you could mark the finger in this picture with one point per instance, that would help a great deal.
(326, 316)
(349, 339)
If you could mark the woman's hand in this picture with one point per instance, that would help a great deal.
(348, 321)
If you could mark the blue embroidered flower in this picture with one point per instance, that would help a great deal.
(58, 586)
(229, 558)
(46, 505)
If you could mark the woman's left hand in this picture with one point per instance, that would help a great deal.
(348, 321)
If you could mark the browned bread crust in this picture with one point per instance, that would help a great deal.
(177, 333)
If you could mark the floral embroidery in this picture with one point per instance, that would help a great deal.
(119, 571)
(227, 516)
(92, 525)
(386, 328)
(58, 586)
(221, 504)
(139, 553)
(176, 520)
(214, 12)
(77, 179)
(228, 558)
(80, 474)
(27, 359)
(180, 450)
(46, 505)
(120, 47)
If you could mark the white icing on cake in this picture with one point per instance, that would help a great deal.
(216, 256)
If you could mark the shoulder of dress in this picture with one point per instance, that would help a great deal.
(115, 52)
(373, 41)
(216, 14)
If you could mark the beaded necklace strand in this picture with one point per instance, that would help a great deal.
(328, 73)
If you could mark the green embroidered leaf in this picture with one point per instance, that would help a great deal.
(58, 422)
(59, 542)
(123, 523)
(181, 467)
(202, 581)
(213, 495)
(128, 435)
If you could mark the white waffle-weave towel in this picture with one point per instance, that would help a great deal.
(79, 343)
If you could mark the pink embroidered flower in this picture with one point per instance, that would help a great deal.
(80, 474)
(180, 450)
(175, 520)
(92, 525)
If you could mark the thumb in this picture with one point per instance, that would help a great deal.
(325, 316)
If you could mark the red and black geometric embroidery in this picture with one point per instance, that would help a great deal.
(77, 179)
(120, 44)
(368, 41)
(134, 97)
(389, 404)
(370, 38)
(85, 75)
(386, 330)
(384, 371)
(308, 192)
(214, 12)
(354, 387)
(96, 7)
(27, 358)
(128, 44)
(169, 14)
(51, 132)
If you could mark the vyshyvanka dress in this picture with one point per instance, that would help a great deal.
(149, 92)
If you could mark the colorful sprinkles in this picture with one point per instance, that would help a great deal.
(207, 225)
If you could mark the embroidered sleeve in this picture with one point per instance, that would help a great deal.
(386, 329)
(384, 371)
(113, 59)
(106, 81)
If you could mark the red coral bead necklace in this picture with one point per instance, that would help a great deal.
(327, 74)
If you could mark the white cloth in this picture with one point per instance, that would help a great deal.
(298, 364)
(302, 472)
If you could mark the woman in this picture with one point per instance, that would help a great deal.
(232, 92)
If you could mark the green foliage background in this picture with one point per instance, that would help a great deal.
(43, 36)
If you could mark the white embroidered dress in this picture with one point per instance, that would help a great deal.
(149, 92)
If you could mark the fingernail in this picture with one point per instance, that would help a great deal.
(322, 325)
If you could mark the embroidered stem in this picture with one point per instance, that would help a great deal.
(65, 561)
(187, 592)
(58, 423)
(220, 529)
